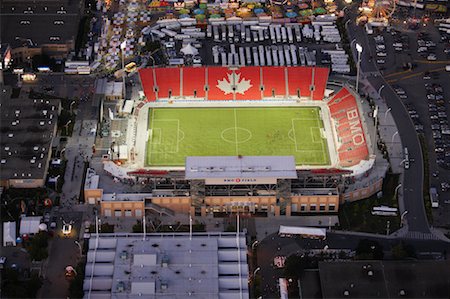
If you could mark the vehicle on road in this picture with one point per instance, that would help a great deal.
(67, 229)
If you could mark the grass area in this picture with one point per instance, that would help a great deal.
(357, 216)
(176, 133)
(426, 179)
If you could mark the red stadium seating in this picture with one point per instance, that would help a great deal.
(274, 81)
(168, 80)
(147, 83)
(344, 110)
(197, 85)
(320, 80)
(248, 76)
(247, 82)
(216, 75)
(300, 78)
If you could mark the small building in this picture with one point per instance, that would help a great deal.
(124, 205)
(29, 225)
(203, 265)
(9, 234)
(114, 91)
(92, 193)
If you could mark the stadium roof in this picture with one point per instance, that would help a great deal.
(221, 167)
(167, 266)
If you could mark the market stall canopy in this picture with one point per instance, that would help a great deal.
(189, 50)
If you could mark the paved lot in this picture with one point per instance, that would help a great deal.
(39, 21)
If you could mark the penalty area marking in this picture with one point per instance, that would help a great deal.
(170, 145)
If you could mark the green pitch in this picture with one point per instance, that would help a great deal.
(175, 133)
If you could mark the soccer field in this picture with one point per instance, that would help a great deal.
(175, 133)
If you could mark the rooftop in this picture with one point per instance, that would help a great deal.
(241, 167)
(126, 196)
(385, 279)
(167, 266)
(27, 128)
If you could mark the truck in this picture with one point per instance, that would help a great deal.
(255, 56)
(290, 35)
(281, 55)
(272, 34)
(283, 34)
(278, 33)
(262, 58)
(287, 54)
(434, 197)
(268, 56)
(275, 55)
(248, 55)
(242, 56)
(216, 33)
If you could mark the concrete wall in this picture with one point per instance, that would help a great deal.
(111, 206)
(362, 193)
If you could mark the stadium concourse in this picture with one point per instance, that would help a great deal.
(343, 125)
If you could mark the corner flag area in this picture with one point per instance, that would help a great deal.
(175, 133)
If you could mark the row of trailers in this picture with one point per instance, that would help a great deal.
(276, 33)
(282, 55)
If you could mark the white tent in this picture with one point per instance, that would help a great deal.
(189, 50)
(30, 225)
(9, 234)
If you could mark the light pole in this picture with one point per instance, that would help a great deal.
(66, 126)
(396, 190)
(123, 45)
(385, 113)
(379, 90)
(254, 244)
(256, 271)
(71, 104)
(393, 136)
(79, 247)
(402, 217)
(56, 182)
(359, 49)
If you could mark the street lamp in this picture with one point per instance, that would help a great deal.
(254, 244)
(402, 217)
(123, 45)
(379, 90)
(359, 49)
(56, 182)
(396, 190)
(256, 271)
(71, 104)
(393, 136)
(387, 111)
(79, 247)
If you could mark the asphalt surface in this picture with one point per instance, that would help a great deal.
(413, 177)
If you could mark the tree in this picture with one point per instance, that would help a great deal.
(369, 250)
(38, 247)
(403, 250)
(295, 265)
(137, 228)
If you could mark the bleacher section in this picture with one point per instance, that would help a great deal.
(223, 83)
(352, 146)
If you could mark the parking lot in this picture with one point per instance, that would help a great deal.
(414, 62)
(46, 22)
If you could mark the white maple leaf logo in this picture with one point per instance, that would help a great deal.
(234, 80)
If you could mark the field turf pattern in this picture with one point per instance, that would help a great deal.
(176, 133)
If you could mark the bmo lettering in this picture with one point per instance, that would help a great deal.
(355, 127)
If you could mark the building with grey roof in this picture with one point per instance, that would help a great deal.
(204, 265)
(27, 129)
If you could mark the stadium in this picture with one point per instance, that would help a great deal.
(249, 111)
(257, 140)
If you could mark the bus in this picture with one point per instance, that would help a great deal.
(131, 67)
(384, 211)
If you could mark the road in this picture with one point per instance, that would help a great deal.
(413, 177)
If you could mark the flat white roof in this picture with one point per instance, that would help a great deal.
(30, 225)
(282, 167)
(299, 230)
